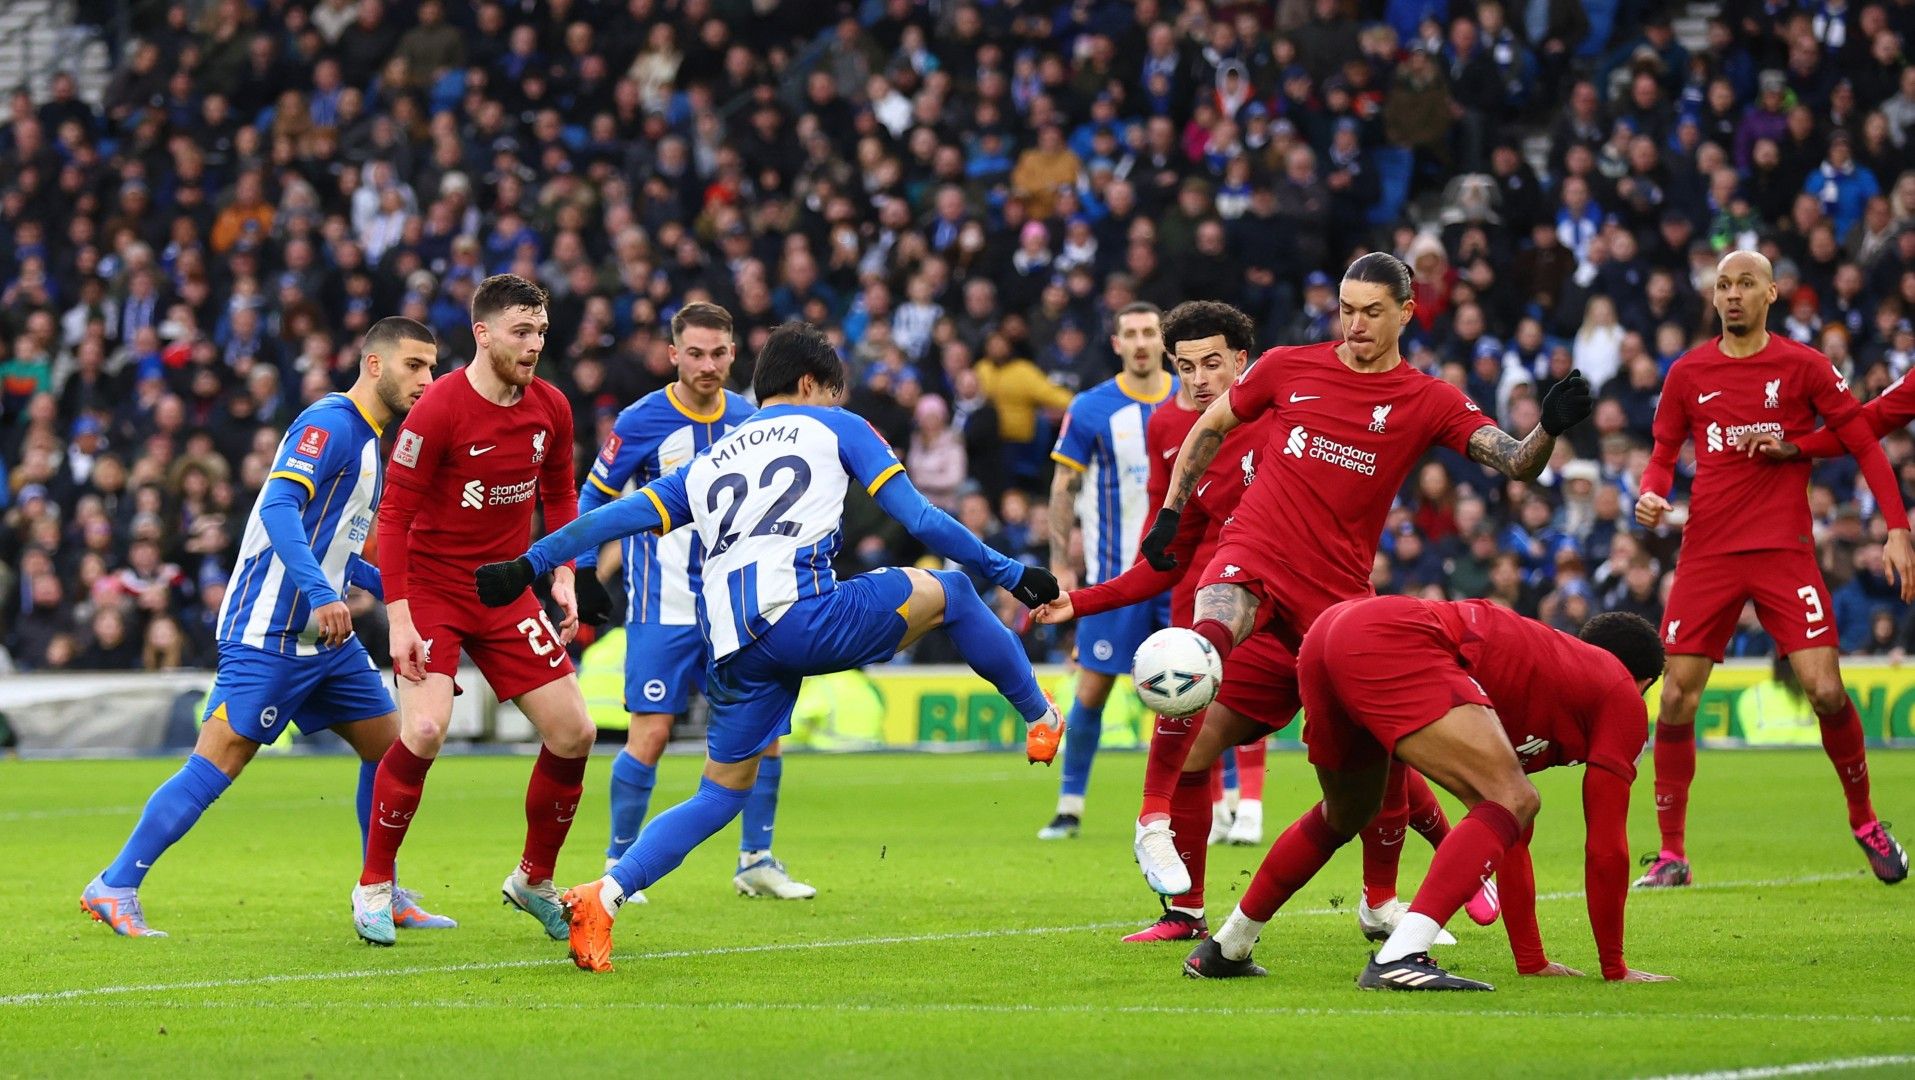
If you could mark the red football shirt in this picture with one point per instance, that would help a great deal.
(1895, 408)
(1736, 503)
(1210, 504)
(1339, 445)
(462, 480)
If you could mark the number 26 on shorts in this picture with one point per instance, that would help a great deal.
(544, 639)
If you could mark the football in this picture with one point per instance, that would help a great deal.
(1176, 672)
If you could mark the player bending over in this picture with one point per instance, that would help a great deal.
(1102, 482)
(1749, 537)
(469, 461)
(287, 651)
(1210, 345)
(1489, 696)
(664, 654)
(767, 502)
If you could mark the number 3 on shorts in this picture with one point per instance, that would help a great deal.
(1808, 593)
(544, 639)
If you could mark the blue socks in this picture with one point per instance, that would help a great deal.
(672, 834)
(989, 646)
(761, 809)
(1229, 760)
(632, 782)
(368, 771)
(169, 813)
(1082, 729)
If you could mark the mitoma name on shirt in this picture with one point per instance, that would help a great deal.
(1301, 443)
(477, 495)
(1719, 438)
(755, 435)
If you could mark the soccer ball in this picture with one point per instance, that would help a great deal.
(1177, 672)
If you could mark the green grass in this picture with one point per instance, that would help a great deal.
(945, 939)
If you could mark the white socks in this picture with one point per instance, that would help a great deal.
(1415, 934)
(1238, 935)
(1071, 804)
(610, 895)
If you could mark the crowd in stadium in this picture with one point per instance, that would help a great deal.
(962, 194)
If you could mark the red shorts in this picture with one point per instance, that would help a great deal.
(1374, 672)
(1260, 682)
(515, 647)
(1287, 601)
(1706, 600)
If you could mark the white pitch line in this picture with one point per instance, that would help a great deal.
(731, 950)
(1019, 1008)
(1806, 1068)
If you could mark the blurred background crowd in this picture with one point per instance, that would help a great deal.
(196, 228)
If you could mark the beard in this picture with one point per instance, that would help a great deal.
(395, 399)
(506, 367)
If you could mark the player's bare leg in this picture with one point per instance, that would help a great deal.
(1466, 753)
(1682, 684)
(425, 711)
(1093, 692)
(557, 711)
(371, 739)
(1819, 672)
(1225, 615)
(1350, 801)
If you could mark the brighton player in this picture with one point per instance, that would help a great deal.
(1101, 484)
(1748, 537)
(767, 502)
(664, 654)
(470, 460)
(1475, 697)
(287, 651)
(1210, 345)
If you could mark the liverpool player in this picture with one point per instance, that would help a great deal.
(1491, 697)
(469, 462)
(1749, 537)
(1210, 344)
(1101, 483)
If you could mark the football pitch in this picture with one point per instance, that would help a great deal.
(945, 939)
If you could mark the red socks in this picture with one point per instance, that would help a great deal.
(1383, 839)
(1190, 820)
(1169, 745)
(1250, 763)
(1218, 635)
(1294, 859)
(1471, 854)
(551, 802)
(395, 798)
(1426, 814)
(1842, 741)
(1675, 771)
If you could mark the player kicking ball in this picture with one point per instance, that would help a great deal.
(1749, 537)
(664, 653)
(287, 651)
(767, 502)
(469, 462)
(1490, 696)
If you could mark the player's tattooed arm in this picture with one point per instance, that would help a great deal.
(1230, 605)
(1197, 456)
(1498, 449)
(1066, 484)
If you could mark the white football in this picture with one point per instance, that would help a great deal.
(1177, 672)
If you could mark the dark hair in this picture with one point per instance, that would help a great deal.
(794, 350)
(392, 330)
(1137, 307)
(1194, 320)
(503, 292)
(700, 313)
(1382, 268)
(1629, 638)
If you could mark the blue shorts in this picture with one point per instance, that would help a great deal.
(1108, 643)
(753, 691)
(662, 664)
(258, 691)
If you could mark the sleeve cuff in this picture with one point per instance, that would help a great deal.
(1062, 459)
(664, 517)
(303, 482)
(883, 479)
(600, 484)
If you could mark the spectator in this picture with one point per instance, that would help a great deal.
(936, 460)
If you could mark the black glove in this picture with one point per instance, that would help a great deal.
(1156, 545)
(594, 603)
(1036, 588)
(500, 583)
(1567, 404)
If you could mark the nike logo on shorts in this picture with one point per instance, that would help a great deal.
(1817, 632)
